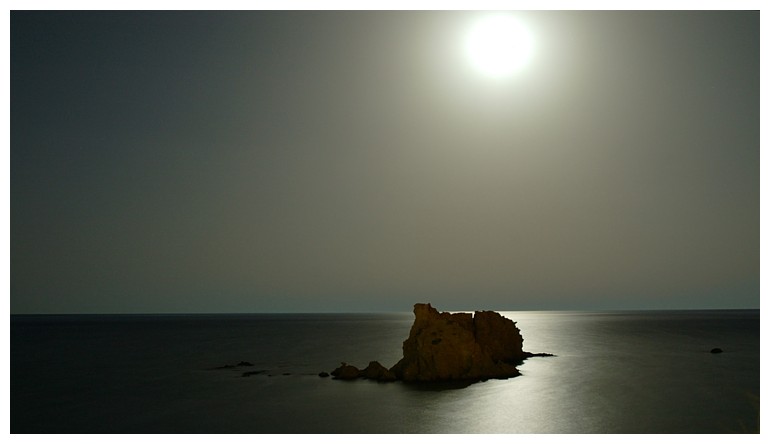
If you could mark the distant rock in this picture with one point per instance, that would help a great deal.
(323, 375)
(451, 347)
(240, 364)
(716, 350)
(255, 372)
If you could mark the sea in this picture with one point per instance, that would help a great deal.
(613, 372)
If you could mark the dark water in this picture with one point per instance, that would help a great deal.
(631, 372)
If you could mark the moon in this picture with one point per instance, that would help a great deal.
(498, 46)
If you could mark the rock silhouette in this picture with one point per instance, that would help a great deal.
(376, 371)
(459, 346)
(451, 347)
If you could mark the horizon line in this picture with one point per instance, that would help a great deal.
(175, 313)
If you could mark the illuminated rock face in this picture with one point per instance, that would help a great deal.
(460, 346)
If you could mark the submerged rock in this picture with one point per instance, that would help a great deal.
(240, 364)
(537, 355)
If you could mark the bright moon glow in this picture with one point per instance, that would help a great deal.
(499, 45)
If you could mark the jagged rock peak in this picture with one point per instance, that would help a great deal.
(459, 346)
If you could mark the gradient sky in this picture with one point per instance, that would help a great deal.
(355, 161)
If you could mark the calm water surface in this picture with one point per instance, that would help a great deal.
(615, 372)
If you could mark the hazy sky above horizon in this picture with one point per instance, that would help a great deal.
(356, 161)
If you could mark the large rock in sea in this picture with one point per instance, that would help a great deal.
(451, 347)
(459, 346)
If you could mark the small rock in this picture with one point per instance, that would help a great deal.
(323, 375)
(245, 364)
(538, 355)
(255, 372)
(716, 350)
(346, 371)
(376, 371)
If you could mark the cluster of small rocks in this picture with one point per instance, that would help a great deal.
(374, 371)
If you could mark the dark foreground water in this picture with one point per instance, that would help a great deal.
(630, 372)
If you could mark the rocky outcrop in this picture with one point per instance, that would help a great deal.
(451, 347)
(376, 371)
(459, 346)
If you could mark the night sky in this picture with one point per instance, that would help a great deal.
(357, 161)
